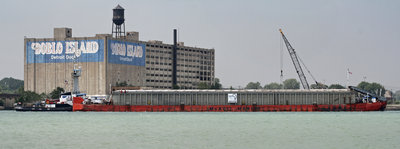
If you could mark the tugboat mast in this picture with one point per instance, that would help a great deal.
(76, 74)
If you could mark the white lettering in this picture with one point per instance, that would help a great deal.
(57, 57)
(95, 47)
(77, 48)
(126, 59)
(53, 48)
(83, 49)
(68, 49)
(89, 47)
(139, 51)
(59, 48)
(70, 57)
(129, 51)
(43, 48)
(118, 49)
(48, 48)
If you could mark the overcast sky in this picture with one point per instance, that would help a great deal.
(330, 36)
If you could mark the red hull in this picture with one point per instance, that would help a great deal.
(378, 106)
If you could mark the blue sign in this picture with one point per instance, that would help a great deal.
(65, 51)
(121, 52)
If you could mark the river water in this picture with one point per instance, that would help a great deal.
(336, 130)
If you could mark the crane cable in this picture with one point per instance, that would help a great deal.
(281, 50)
(309, 72)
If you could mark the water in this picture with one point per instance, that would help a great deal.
(200, 130)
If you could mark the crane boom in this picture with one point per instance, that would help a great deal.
(296, 62)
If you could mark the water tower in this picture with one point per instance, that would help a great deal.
(118, 21)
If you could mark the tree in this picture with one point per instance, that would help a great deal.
(217, 84)
(336, 86)
(55, 94)
(291, 84)
(374, 87)
(203, 85)
(318, 86)
(363, 85)
(29, 97)
(122, 84)
(20, 90)
(253, 85)
(273, 85)
(175, 87)
(397, 95)
(10, 85)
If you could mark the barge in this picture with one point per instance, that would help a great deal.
(351, 99)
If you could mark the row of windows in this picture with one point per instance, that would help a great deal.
(159, 75)
(179, 76)
(188, 59)
(205, 79)
(161, 87)
(192, 60)
(179, 70)
(156, 58)
(183, 49)
(202, 56)
(158, 51)
(157, 46)
(157, 63)
(168, 81)
(182, 65)
(161, 69)
(169, 87)
(161, 81)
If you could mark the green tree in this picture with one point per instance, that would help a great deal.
(336, 86)
(10, 85)
(29, 97)
(363, 85)
(318, 86)
(175, 87)
(217, 84)
(55, 94)
(374, 87)
(396, 95)
(291, 84)
(253, 85)
(121, 84)
(273, 85)
(203, 85)
(20, 90)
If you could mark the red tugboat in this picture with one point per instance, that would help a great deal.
(64, 103)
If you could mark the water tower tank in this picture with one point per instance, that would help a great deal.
(118, 15)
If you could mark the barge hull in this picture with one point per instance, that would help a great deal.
(378, 106)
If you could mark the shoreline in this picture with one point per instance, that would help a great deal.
(392, 107)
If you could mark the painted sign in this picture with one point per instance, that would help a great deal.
(232, 98)
(65, 51)
(129, 53)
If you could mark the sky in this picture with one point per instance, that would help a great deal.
(330, 37)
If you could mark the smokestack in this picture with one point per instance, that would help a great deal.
(174, 54)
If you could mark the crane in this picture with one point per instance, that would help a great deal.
(295, 60)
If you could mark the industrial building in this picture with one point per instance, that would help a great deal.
(110, 59)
